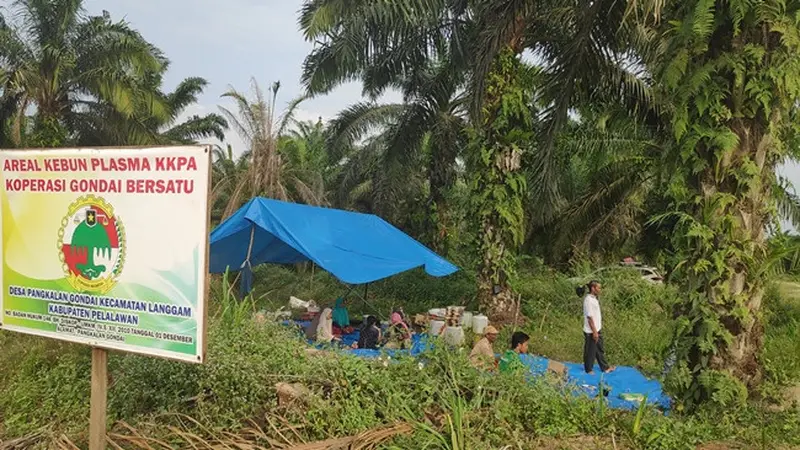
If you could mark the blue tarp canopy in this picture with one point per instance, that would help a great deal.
(356, 248)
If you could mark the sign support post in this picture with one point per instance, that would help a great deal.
(97, 414)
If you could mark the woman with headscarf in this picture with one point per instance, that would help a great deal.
(399, 310)
(398, 334)
(370, 334)
(341, 318)
(325, 327)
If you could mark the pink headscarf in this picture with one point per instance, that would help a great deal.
(396, 318)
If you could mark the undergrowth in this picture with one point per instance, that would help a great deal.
(448, 404)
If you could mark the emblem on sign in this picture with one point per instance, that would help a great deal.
(91, 245)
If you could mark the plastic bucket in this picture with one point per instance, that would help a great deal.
(479, 323)
(466, 320)
(454, 336)
(436, 327)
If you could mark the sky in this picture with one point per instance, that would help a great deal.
(229, 43)
(233, 41)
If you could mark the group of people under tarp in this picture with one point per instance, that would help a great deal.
(329, 326)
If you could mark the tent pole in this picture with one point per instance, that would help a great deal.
(363, 297)
(366, 302)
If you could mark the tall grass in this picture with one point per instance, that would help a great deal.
(45, 384)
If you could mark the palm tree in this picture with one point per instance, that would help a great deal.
(195, 127)
(686, 68)
(608, 174)
(69, 65)
(9, 102)
(380, 43)
(306, 161)
(102, 125)
(261, 127)
(227, 171)
(428, 126)
(732, 125)
(580, 46)
(368, 179)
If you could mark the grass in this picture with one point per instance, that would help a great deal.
(44, 385)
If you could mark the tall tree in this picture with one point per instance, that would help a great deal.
(306, 161)
(372, 176)
(64, 62)
(583, 60)
(732, 77)
(421, 48)
(380, 43)
(609, 177)
(227, 171)
(502, 136)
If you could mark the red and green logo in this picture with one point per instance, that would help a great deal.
(92, 245)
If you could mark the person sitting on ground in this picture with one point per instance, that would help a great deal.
(341, 318)
(482, 355)
(399, 310)
(398, 335)
(511, 362)
(325, 327)
(311, 329)
(370, 334)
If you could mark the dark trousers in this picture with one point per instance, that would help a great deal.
(594, 350)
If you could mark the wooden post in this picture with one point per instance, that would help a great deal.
(97, 414)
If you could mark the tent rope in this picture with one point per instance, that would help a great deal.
(250, 247)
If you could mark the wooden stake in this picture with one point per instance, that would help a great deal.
(97, 413)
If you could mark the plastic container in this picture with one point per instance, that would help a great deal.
(436, 327)
(437, 313)
(453, 317)
(454, 336)
(466, 320)
(479, 323)
(296, 303)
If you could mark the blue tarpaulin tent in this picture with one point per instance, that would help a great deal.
(356, 248)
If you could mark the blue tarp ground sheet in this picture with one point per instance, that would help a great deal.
(356, 248)
(624, 380)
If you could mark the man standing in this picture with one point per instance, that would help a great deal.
(482, 355)
(593, 345)
(510, 361)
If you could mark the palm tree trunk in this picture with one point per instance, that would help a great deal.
(497, 182)
(442, 178)
(721, 328)
(439, 225)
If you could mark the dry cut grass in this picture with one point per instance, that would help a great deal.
(275, 434)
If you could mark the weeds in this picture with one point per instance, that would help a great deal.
(443, 403)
